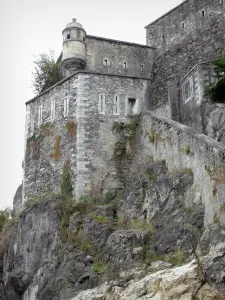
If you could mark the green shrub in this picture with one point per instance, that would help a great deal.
(216, 90)
(66, 183)
(5, 216)
(187, 150)
(100, 219)
(8, 229)
(46, 73)
(99, 267)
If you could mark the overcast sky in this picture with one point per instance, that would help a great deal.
(31, 27)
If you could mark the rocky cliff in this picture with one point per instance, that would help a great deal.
(160, 236)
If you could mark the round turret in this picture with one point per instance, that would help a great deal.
(74, 49)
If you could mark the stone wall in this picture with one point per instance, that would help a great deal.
(192, 101)
(188, 17)
(82, 140)
(184, 50)
(53, 144)
(138, 58)
(98, 146)
(182, 149)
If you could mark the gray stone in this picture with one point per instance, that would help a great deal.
(17, 200)
(121, 250)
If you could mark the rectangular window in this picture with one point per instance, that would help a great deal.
(187, 90)
(131, 106)
(125, 65)
(116, 105)
(66, 106)
(221, 1)
(142, 67)
(101, 105)
(52, 116)
(40, 109)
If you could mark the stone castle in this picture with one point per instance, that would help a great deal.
(107, 81)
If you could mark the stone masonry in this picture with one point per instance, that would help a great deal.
(84, 137)
(70, 124)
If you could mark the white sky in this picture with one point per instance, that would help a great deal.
(31, 27)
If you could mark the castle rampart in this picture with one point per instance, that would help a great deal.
(72, 124)
(183, 149)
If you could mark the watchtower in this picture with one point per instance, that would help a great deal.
(74, 48)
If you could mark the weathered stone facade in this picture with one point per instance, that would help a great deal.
(83, 138)
(138, 58)
(70, 125)
(180, 49)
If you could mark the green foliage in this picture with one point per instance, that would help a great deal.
(99, 267)
(5, 216)
(188, 171)
(66, 183)
(8, 227)
(110, 196)
(150, 254)
(208, 170)
(153, 136)
(151, 176)
(142, 225)
(100, 219)
(187, 150)
(117, 127)
(177, 259)
(216, 90)
(130, 129)
(124, 223)
(46, 72)
(77, 239)
(33, 200)
(34, 142)
(69, 206)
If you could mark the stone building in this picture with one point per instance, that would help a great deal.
(70, 124)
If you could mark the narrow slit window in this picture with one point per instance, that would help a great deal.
(142, 67)
(66, 107)
(183, 25)
(101, 106)
(132, 106)
(116, 105)
(40, 119)
(105, 62)
(162, 38)
(203, 13)
(125, 65)
(52, 116)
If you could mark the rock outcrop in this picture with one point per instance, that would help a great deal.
(17, 200)
(168, 284)
(150, 238)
